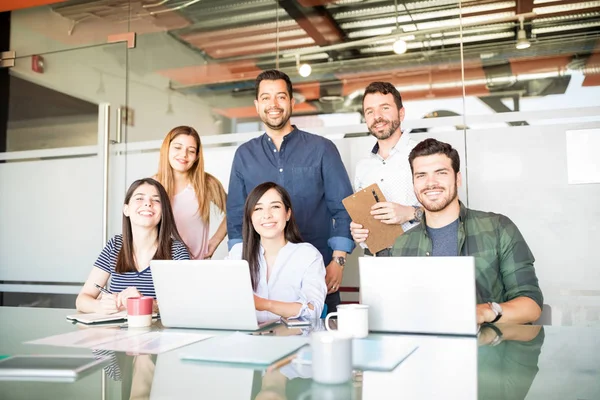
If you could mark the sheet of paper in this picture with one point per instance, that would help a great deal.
(87, 338)
(153, 342)
(127, 340)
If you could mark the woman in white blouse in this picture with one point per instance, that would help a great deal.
(288, 276)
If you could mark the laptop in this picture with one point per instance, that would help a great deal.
(205, 294)
(419, 294)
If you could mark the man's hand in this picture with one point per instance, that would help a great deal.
(333, 277)
(392, 213)
(358, 233)
(485, 313)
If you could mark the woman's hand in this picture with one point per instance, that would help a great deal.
(261, 304)
(107, 304)
(213, 243)
(124, 295)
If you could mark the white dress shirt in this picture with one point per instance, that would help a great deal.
(392, 174)
(298, 276)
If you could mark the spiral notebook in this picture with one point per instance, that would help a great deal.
(94, 318)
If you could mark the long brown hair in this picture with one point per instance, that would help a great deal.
(167, 231)
(208, 188)
(251, 238)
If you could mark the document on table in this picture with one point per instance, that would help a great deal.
(241, 348)
(128, 340)
(153, 342)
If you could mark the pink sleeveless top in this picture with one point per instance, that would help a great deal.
(192, 228)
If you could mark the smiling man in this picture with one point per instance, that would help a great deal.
(507, 287)
(387, 164)
(308, 166)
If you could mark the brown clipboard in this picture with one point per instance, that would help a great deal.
(358, 205)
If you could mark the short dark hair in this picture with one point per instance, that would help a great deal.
(430, 147)
(272, 75)
(383, 88)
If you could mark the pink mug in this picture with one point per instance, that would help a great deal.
(139, 311)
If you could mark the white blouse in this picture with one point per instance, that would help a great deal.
(298, 276)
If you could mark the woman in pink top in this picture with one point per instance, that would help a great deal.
(191, 190)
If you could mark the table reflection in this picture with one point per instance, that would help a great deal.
(508, 360)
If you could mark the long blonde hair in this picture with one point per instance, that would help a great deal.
(208, 188)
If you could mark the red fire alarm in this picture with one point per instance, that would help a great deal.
(37, 64)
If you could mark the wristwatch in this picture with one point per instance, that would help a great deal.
(418, 214)
(340, 260)
(498, 339)
(497, 310)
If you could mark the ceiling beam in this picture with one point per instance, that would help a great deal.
(316, 21)
(10, 5)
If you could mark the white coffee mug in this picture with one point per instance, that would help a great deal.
(331, 357)
(352, 319)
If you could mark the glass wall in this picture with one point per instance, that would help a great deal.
(506, 82)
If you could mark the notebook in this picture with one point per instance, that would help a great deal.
(241, 348)
(95, 318)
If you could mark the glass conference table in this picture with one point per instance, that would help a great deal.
(529, 362)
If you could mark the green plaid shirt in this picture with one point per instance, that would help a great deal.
(503, 261)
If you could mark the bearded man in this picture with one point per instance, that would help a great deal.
(387, 164)
(308, 166)
(506, 283)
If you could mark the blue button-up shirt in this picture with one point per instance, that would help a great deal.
(310, 168)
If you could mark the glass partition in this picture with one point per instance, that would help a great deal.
(502, 81)
(58, 169)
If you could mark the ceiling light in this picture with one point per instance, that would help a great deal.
(399, 46)
(303, 69)
(522, 41)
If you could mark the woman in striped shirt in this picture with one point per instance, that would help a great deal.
(149, 233)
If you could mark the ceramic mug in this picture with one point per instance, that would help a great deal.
(139, 312)
(352, 319)
(331, 357)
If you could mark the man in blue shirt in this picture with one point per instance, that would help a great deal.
(308, 166)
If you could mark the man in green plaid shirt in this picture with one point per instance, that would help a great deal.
(507, 287)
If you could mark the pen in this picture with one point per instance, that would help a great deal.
(375, 195)
(281, 363)
(100, 288)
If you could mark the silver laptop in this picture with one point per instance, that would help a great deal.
(205, 294)
(419, 294)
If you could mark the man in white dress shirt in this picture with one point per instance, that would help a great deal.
(387, 165)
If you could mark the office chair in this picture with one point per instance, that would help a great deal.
(324, 313)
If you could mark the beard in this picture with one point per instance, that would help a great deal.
(272, 123)
(434, 206)
(385, 132)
